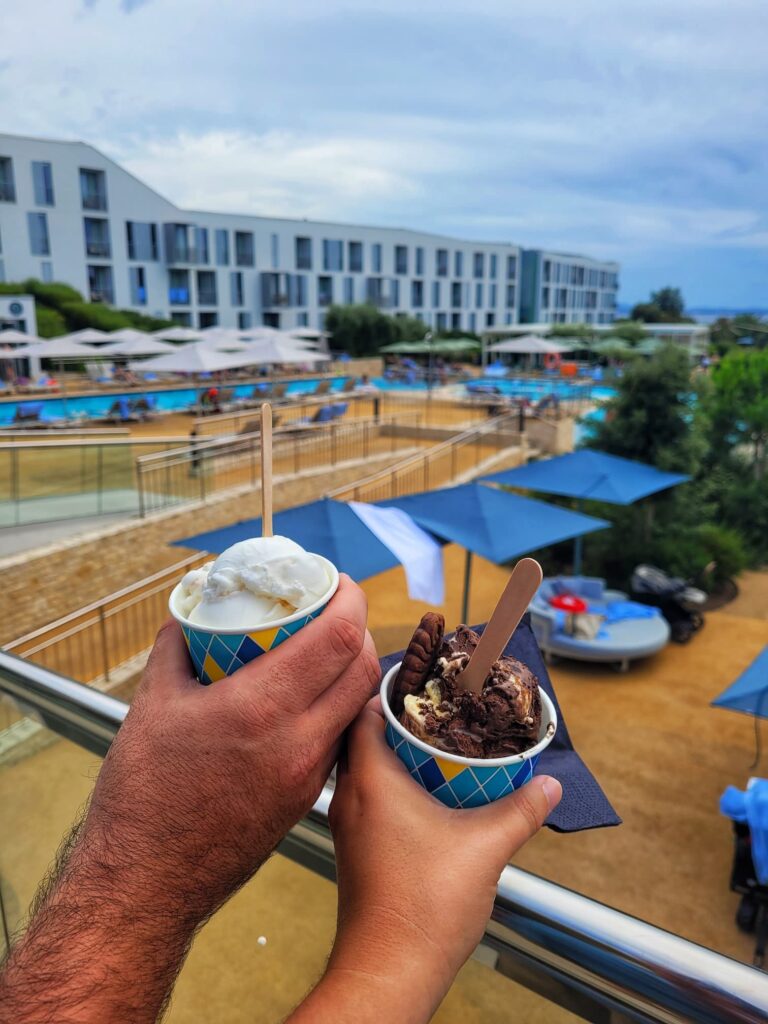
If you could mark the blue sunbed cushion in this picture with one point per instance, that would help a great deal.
(751, 806)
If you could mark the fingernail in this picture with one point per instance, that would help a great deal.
(552, 790)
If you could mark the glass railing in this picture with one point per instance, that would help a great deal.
(594, 962)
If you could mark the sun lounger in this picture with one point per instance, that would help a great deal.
(617, 642)
(29, 412)
(338, 410)
(323, 387)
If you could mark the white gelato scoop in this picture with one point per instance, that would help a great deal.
(254, 582)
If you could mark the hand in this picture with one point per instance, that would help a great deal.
(417, 881)
(201, 783)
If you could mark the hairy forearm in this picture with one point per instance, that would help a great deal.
(104, 943)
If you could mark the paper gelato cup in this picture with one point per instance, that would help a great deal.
(464, 781)
(217, 653)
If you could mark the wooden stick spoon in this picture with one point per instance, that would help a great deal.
(266, 470)
(522, 585)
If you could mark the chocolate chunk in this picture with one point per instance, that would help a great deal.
(418, 660)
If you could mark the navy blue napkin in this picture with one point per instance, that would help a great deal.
(584, 805)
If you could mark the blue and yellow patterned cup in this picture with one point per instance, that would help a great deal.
(463, 781)
(217, 653)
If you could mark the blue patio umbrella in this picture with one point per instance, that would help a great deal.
(495, 524)
(329, 528)
(749, 693)
(592, 475)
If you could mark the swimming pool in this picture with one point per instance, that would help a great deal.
(165, 400)
(535, 389)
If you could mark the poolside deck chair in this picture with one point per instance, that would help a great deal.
(254, 426)
(29, 412)
(278, 391)
(339, 409)
(121, 411)
(144, 407)
(349, 385)
(322, 388)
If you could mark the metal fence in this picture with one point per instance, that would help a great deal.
(437, 466)
(46, 480)
(89, 643)
(209, 466)
(600, 964)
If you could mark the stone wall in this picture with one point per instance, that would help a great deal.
(41, 586)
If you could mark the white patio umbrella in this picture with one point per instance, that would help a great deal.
(178, 334)
(195, 358)
(64, 347)
(14, 337)
(281, 351)
(144, 346)
(309, 333)
(88, 336)
(128, 334)
(528, 345)
(224, 340)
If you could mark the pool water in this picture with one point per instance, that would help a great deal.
(176, 400)
(535, 389)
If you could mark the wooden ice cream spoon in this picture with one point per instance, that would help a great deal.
(522, 585)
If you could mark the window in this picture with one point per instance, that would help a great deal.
(547, 270)
(236, 287)
(42, 183)
(303, 253)
(180, 243)
(46, 271)
(141, 240)
(301, 290)
(302, 319)
(401, 259)
(455, 321)
(512, 268)
(274, 251)
(244, 321)
(349, 290)
(333, 254)
(458, 264)
(494, 268)
(395, 292)
(100, 285)
(355, 257)
(376, 258)
(441, 263)
(435, 294)
(201, 245)
(544, 294)
(221, 241)
(93, 189)
(207, 320)
(97, 241)
(324, 290)
(456, 294)
(442, 321)
(493, 297)
(490, 319)
(178, 287)
(478, 264)
(473, 322)
(419, 260)
(478, 294)
(244, 249)
(417, 294)
(7, 184)
(39, 242)
(206, 288)
(137, 283)
(271, 320)
(184, 319)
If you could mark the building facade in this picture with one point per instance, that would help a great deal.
(68, 213)
(559, 288)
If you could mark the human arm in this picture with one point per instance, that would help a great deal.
(417, 881)
(199, 786)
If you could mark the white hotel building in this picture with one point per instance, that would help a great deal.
(68, 213)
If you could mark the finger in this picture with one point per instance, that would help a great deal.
(367, 747)
(169, 669)
(330, 714)
(510, 822)
(311, 660)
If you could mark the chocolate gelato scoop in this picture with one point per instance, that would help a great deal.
(502, 720)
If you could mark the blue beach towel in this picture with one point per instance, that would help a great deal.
(584, 805)
(751, 806)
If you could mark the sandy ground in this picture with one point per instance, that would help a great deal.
(662, 754)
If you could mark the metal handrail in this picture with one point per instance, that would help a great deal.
(599, 963)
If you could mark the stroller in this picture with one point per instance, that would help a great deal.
(752, 913)
(679, 602)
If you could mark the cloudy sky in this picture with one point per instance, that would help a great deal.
(634, 131)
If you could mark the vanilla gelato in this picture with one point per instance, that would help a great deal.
(256, 581)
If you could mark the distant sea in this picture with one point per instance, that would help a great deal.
(705, 314)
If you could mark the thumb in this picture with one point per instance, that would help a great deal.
(510, 822)
(169, 668)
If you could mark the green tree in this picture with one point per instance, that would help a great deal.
(739, 407)
(670, 302)
(648, 312)
(50, 322)
(361, 329)
(629, 330)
